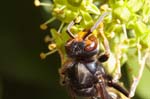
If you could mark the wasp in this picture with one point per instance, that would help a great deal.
(83, 73)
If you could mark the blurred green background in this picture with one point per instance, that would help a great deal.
(23, 75)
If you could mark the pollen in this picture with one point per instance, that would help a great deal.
(43, 26)
(58, 11)
(48, 39)
(52, 46)
(38, 3)
(44, 55)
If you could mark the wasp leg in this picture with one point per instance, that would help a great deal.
(72, 94)
(62, 76)
(102, 92)
(73, 97)
(69, 89)
(101, 88)
(104, 56)
(118, 87)
(62, 71)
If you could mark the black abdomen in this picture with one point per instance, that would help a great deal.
(82, 80)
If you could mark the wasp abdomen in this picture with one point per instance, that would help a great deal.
(82, 79)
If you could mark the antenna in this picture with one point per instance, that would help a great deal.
(68, 29)
(97, 23)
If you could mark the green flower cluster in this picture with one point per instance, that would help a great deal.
(127, 29)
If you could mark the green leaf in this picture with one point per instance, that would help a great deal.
(59, 44)
(57, 38)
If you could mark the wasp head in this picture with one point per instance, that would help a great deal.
(82, 48)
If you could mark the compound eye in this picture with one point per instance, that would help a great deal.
(91, 43)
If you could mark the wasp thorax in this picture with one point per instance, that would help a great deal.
(80, 48)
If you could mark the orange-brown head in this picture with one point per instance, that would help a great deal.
(85, 44)
(79, 47)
